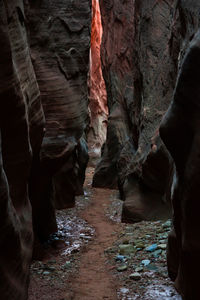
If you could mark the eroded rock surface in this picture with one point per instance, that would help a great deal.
(21, 123)
(97, 95)
(60, 43)
(44, 60)
(143, 43)
(139, 55)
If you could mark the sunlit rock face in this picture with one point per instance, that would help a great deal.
(117, 64)
(60, 44)
(98, 97)
(21, 126)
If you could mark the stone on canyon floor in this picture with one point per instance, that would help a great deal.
(126, 249)
(122, 268)
(135, 276)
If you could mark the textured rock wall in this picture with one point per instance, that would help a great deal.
(44, 60)
(97, 94)
(21, 123)
(144, 43)
(139, 57)
(180, 133)
(117, 64)
(60, 44)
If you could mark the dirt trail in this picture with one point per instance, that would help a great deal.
(94, 280)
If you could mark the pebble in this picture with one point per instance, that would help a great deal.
(162, 241)
(135, 276)
(152, 267)
(162, 246)
(122, 268)
(67, 265)
(140, 245)
(167, 224)
(46, 273)
(157, 253)
(126, 249)
(120, 258)
(151, 248)
(139, 269)
(145, 262)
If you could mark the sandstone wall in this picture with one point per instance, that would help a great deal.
(142, 45)
(60, 44)
(21, 124)
(97, 90)
(44, 59)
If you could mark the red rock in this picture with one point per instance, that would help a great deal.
(98, 96)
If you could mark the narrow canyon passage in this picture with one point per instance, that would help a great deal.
(93, 280)
(81, 262)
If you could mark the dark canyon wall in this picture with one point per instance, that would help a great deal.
(21, 125)
(180, 133)
(44, 59)
(59, 45)
(143, 44)
(143, 50)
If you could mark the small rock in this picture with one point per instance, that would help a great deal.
(126, 249)
(157, 253)
(139, 269)
(135, 276)
(151, 248)
(162, 246)
(152, 267)
(162, 241)
(147, 236)
(67, 265)
(125, 242)
(140, 245)
(46, 273)
(145, 262)
(122, 268)
(167, 224)
(120, 258)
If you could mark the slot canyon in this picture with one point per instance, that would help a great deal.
(99, 161)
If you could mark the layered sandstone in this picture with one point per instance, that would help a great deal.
(60, 44)
(97, 90)
(21, 125)
(139, 56)
(43, 116)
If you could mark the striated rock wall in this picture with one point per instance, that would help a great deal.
(21, 126)
(141, 47)
(97, 90)
(143, 50)
(60, 44)
(44, 60)
(117, 64)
